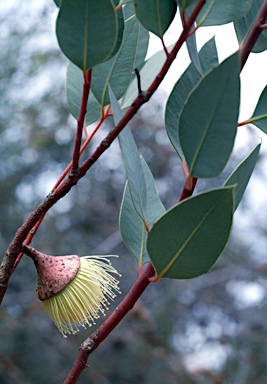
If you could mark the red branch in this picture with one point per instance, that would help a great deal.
(80, 121)
(254, 34)
(93, 341)
(189, 187)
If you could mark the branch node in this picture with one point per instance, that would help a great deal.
(146, 95)
(74, 172)
(88, 345)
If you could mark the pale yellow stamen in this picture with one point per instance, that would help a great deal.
(81, 301)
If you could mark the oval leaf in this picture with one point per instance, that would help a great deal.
(155, 15)
(132, 162)
(242, 174)
(185, 3)
(147, 74)
(189, 238)
(81, 29)
(208, 59)
(208, 121)
(120, 17)
(74, 87)
(58, 2)
(217, 12)
(118, 71)
(259, 117)
(132, 226)
(191, 44)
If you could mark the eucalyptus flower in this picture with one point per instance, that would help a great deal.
(74, 290)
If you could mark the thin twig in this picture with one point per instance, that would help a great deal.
(80, 122)
(33, 231)
(138, 77)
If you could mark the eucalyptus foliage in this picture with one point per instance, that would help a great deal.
(109, 75)
(201, 118)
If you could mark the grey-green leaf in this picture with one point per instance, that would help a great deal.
(142, 46)
(208, 59)
(191, 44)
(243, 26)
(81, 29)
(189, 238)
(147, 74)
(58, 2)
(132, 226)
(185, 3)
(259, 116)
(242, 174)
(118, 71)
(74, 87)
(132, 162)
(155, 15)
(217, 12)
(120, 17)
(208, 121)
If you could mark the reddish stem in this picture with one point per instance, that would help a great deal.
(189, 187)
(254, 34)
(80, 121)
(85, 144)
(93, 341)
(164, 47)
(33, 231)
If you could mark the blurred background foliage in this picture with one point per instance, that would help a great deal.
(211, 329)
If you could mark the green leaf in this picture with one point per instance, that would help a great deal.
(118, 71)
(208, 59)
(147, 74)
(191, 44)
(132, 226)
(155, 15)
(128, 10)
(120, 17)
(242, 174)
(243, 27)
(74, 88)
(208, 121)
(81, 29)
(189, 238)
(142, 46)
(132, 162)
(259, 116)
(217, 12)
(185, 3)
(58, 2)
